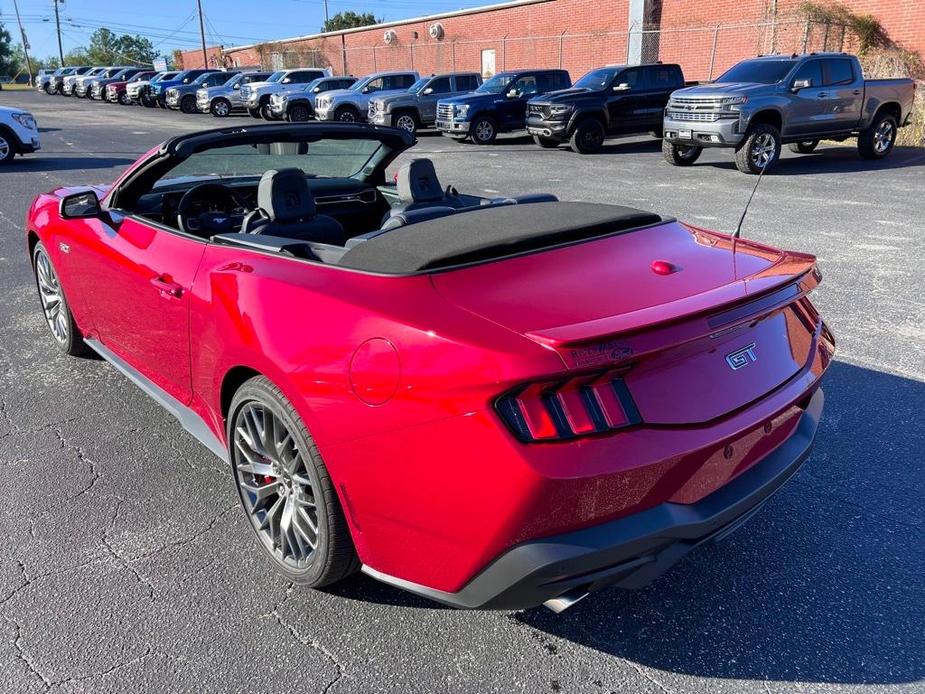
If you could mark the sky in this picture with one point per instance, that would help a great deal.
(174, 24)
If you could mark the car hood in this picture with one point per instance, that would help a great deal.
(471, 98)
(565, 95)
(212, 91)
(721, 89)
(392, 98)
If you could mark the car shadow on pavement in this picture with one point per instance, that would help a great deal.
(836, 159)
(69, 163)
(825, 585)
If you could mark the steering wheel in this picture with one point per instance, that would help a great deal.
(210, 208)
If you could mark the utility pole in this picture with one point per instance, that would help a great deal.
(202, 35)
(25, 42)
(326, 18)
(58, 25)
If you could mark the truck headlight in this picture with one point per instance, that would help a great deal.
(25, 120)
(461, 110)
(732, 103)
(561, 109)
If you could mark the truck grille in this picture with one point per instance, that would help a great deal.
(245, 92)
(541, 110)
(692, 116)
(444, 111)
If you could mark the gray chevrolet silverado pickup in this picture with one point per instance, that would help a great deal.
(417, 107)
(761, 103)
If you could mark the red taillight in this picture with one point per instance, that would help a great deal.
(569, 407)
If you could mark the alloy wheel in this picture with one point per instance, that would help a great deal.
(347, 116)
(275, 484)
(5, 148)
(763, 150)
(406, 122)
(52, 298)
(221, 109)
(883, 137)
(484, 131)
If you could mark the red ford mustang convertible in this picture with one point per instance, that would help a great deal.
(492, 403)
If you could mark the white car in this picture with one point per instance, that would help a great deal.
(19, 133)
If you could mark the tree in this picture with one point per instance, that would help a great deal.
(108, 48)
(349, 20)
(9, 60)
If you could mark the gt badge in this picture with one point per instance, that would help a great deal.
(742, 357)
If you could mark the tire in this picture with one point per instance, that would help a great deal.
(265, 111)
(545, 142)
(48, 89)
(271, 487)
(804, 147)
(657, 133)
(680, 155)
(483, 130)
(7, 147)
(406, 120)
(879, 139)
(347, 114)
(220, 108)
(254, 112)
(123, 99)
(188, 104)
(162, 104)
(147, 101)
(64, 330)
(588, 136)
(299, 113)
(759, 150)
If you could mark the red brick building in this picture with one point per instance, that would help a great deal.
(705, 36)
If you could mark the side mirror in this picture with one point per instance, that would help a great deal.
(512, 94)
(366, 90)
(236, 86)
(80, 205)
(427, 91)
(287, 80)
(317, 90)
(622, 87)
(800, 84)
(186, 81)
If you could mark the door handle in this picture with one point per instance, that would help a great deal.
(167, 287)
(856, 92)
(822, 95)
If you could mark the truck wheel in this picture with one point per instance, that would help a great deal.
(123, 98)
(804, 147)
(188, 104)
(346, 114)
(680, 155)
(147, 101)
(759, 150)
(405, 120)
(7, 148)
(220, 108)
(483, 130)
(299, 113)
(657, 133)
(255, 112)
(265, 112)
(588, 137)
(48, 89)
(878, 140)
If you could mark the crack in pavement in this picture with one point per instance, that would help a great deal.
(21, 654)
(314, 644)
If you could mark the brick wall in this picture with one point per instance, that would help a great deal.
(582, 34)
(190, 60)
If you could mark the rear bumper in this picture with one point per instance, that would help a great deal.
(629, 552)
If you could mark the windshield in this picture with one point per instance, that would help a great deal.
(203, 77)
(596, 79)
(181, 75)
(325, 158)
(276, 76)
(359, 84)
(419, 85)
(758, 71)
(495, 85)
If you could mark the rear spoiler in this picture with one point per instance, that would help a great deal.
(710, 314)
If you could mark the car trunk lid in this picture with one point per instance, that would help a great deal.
(705, 324)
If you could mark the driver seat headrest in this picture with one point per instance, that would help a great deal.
(284, 195)
(417, 182)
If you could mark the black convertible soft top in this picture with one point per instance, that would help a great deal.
(489, 233)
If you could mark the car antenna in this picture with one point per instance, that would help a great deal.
(738, 232)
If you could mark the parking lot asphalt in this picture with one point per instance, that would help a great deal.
(126, 564)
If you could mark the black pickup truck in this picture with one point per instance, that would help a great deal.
(612, 100)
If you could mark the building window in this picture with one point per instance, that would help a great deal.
(488, 62)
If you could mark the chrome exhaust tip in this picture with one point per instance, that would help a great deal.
(561, 603)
